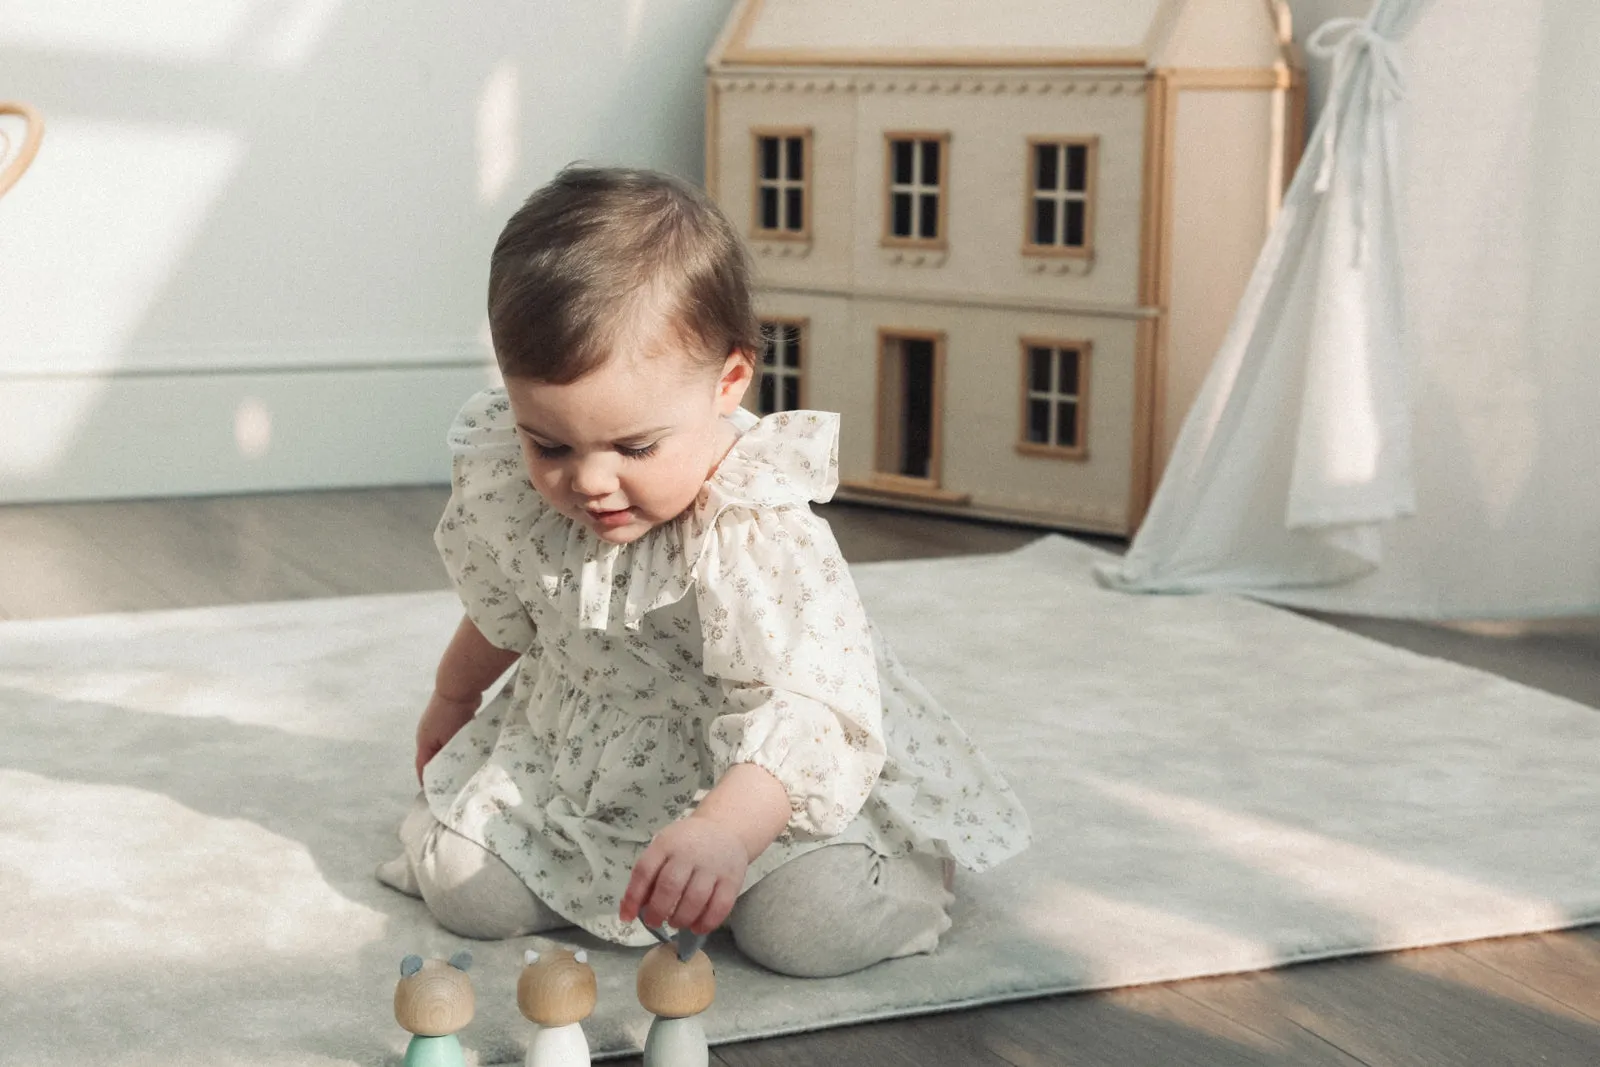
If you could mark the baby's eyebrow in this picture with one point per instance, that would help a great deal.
(638, 435)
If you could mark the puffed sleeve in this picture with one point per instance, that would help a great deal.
(787, 639)
(489, 500)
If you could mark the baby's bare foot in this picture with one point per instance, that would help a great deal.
(397, 874)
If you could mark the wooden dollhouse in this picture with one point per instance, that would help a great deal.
(1002, 239)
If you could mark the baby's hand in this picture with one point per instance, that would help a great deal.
(441, 720)
(689, 877)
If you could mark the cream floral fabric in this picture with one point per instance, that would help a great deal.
(632, 696)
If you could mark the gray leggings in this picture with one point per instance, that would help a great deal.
(828, 912)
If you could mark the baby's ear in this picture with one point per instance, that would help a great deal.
(410, 966)
(461, 960)
(738, 371)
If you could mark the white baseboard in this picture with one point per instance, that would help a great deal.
(196, 433)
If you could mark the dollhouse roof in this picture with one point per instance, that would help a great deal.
(1117, 33)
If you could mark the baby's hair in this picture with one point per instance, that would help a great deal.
(602, 253)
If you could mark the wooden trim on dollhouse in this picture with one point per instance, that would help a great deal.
(928, 57)
(802, 324)
(1151, 228)
(898, 482)
(713, 162)
(1155, 250)
(32, 135)
(1294, 128)
(738, 52)
(888, 238)
(1090, 195)
(999, 302)
(782, 134)
(1084, 349)
(930, 82)
(1147, 340)
(892, 488)
(1093, 518)
(1235, 78)
(1160, 356)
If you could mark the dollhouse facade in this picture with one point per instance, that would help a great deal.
(1002, 239)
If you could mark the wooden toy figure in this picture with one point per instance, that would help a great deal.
(675, 985)
(434, 1000)
(557, 990)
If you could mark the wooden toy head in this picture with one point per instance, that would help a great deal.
(556, 987)
(672, 989)
(434, 998)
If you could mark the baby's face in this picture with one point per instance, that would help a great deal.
(627, 447)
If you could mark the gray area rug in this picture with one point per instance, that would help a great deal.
(192, 802)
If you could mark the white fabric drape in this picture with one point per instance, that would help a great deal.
(1403, 417)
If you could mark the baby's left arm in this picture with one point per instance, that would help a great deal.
(789, 643)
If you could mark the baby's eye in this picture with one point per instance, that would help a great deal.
(641, 452)
(548, 451)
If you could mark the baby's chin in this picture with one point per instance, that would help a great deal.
(624, 536)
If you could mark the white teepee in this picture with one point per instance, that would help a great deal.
(1404, 417)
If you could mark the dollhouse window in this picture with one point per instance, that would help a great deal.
(1060, 203)
(916, 184)
(1055, 398)
(782, 355)
(782, 184)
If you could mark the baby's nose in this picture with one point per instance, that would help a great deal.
(593, 476)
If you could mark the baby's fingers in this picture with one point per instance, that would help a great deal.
(641, 884)
(692, 905)
(670, 882)
(718, 908)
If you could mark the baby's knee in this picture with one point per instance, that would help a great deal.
(839, 909)
(473, 893)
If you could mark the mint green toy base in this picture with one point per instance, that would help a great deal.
(434, 1052)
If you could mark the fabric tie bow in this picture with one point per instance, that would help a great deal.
(1345, 41)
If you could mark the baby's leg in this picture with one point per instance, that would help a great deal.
(841, 908)
(468, 889)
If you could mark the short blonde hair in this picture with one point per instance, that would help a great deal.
(602, 250)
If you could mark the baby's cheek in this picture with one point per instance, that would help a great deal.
(547, 484)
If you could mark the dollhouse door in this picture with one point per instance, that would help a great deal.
(910, 399)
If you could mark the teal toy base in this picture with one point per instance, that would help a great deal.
(434, 1052)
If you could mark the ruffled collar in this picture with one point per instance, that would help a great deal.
(786, 459)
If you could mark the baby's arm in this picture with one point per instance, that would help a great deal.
(470, 664)
(691, 874)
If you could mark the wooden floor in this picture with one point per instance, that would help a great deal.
(1526, 1000)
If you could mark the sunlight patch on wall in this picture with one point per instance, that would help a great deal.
(295, 33)
(491, 369)
(633, 21)
(498, 116)
(153, 29)
(252, 428)
(104, 215)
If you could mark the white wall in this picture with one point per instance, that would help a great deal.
(252, 251)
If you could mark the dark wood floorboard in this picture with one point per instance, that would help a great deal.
(1520, 1000)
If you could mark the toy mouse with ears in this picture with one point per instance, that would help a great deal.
(556, 991)
(434, 1000)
